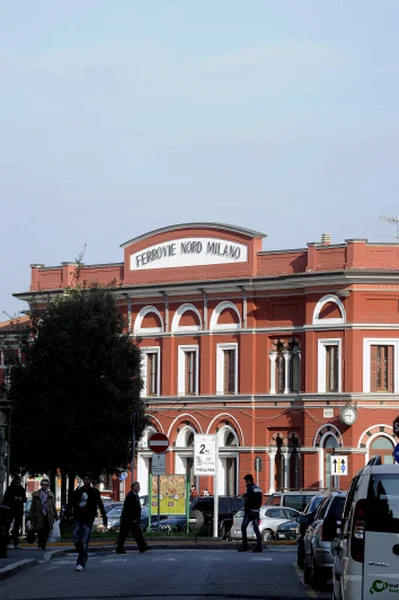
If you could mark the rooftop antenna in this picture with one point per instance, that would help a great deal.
(394, 221)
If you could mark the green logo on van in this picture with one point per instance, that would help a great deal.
(378, 586)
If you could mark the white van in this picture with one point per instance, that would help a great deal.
(366, 565)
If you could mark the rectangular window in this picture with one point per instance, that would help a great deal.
(381, 368)
(229, 372)
(331, 368)
(151, 371)
(227, 369)
(190, 373)
(188, 367)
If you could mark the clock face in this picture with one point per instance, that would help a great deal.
(349, 415)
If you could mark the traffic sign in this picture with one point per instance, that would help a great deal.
(204, 454)
(396, 453)
(158, 443)
(158, 464)
(395, 426)
(122, 476)
(339, 464)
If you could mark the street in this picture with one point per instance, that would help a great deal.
(164, 575)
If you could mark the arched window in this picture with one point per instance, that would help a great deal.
(285, 367)
(279, 466)
(295, 364)
(382, 446)
(295, 464)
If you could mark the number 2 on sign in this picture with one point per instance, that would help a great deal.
(202, 449)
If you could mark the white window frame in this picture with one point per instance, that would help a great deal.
(220, 348)
(181, 368)
(367, 343)
(150, 350)
(321, 364)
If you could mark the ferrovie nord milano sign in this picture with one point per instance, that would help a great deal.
(188, 252)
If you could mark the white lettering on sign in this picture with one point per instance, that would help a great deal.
(188, 252)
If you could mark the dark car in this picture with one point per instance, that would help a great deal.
(304, 521)
(202, 511)
(287, 531)
(168, 523)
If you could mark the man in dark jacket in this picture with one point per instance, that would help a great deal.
(86, 500)
(253, 502)
(15, 498)
(130, 520)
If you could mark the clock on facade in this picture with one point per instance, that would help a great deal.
(348, 415)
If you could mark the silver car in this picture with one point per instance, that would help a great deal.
(318, 551)
(270, 517)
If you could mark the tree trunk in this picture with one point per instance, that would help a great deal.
(64, 476)
(52, 475)
(71, 485)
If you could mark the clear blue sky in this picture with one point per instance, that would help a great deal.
(120, 117)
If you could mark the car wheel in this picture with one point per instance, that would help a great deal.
(199, 519)
(299, 558)
(315, 575)
(267, 535)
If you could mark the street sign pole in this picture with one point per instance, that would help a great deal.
(215, 492)
(159, 503)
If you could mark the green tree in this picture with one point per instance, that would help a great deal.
(76, 387)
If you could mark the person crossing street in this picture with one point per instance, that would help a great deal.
(86, 500)
(253, 502)
(130, 521)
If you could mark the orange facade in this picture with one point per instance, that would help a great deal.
(291, 356)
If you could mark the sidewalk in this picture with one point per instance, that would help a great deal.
(29, 556)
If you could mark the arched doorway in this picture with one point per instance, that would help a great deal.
(228, 461)
(382, 446)
(184, 453)
(330, 443)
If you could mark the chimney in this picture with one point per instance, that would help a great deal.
(325, 239)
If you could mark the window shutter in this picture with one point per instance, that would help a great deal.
(226, 366)
(373, 368)
(390, 369)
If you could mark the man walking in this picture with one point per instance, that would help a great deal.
(86, 500)
(253, 502)
(15, 498)
(130, 520)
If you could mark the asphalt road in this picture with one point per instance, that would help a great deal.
(164, 575)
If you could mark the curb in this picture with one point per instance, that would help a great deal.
(17, 567)
(22, 565)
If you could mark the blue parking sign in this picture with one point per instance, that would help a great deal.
(396, 453)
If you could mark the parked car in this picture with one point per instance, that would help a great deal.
(270, 517)
(304, 521)
(113, 511)
(168, 523)
(202, 511)
(297, 500)
(366, 563)
(319, 551)
(288, 531)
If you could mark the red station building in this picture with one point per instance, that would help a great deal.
(285, 355)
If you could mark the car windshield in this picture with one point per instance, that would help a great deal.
(115, 512)
(313, 504)
(383, 504)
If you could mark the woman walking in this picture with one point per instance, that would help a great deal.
(42, 513)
